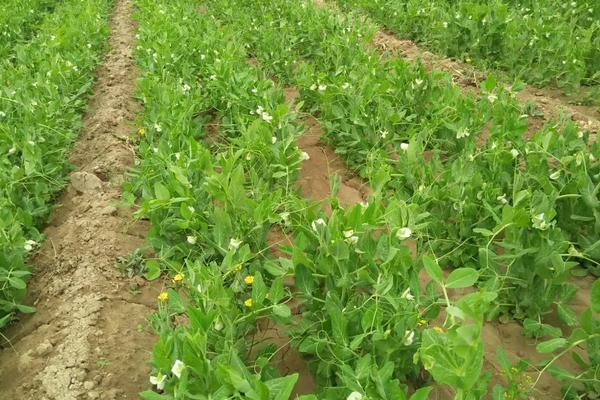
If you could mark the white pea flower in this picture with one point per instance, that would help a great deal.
(364, 204)
(462, 133)
(313, 87)
(2, 114)
(384, 134)
(274, 139)
(177, 156)
(322, 88)
(234, 243)
(404, 233)
(316, 223)
(502, 199)
(12, 150)
(304, 156)
(492, 98)
(404, 146)
(191, 239)
(515, 153)
(31, 142)
(191, 209)
(157, 127)
(199, 288)
(186, 88)
(555, 175)
(407, 295)
(445, 24)
(354, 396)
(580, 134)
(345, 86)
(409, 337)
(178, 368)
(419, 82)
(285, 217)
(267, 117)
(29, 245)
(539, 222)
(159, 381)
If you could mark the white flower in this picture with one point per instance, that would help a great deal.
(407, 295)
(351, 238)
(364, 204)
(265, 116)
(384, 134)
(539, 222)
(255, 90)
(354, 396)
(186, 88)
(462, 133)
(199, 288)
(348, 233)
(157, 127)
(31, 142)
(218, 325)
(580, 134)
(492, 98)
(419, 82)
(177, 368)
(12, 150)
(445, 24)
(29, 245)
(2, 114)
(234, 243)
(159, 380)
(404, 233)
(404, 146)
(274, 139)
(345, 86)
(409, 337)
(322, 88)
(191, 209)
(555, 175)
(177, 156)
(316, 223)
(304, 156)
(502, 199)
(313, 87)
(515, 153)
(191, 239)
(285, 217)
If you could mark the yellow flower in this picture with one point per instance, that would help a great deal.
(163, 296)
(422, 322)
(249, 280)
(438, 329)
(238, 268)
(468, 60)
(178, 278)
(248, 303)
(142, 131)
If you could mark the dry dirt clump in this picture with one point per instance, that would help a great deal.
(89, 338)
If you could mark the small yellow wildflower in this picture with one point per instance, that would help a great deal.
(248, 303)
(438, 329)
(178, 278)
(422, 322)
(163, 296)
(468, 60)
(249, 280)
(238, 268)
(142, 131)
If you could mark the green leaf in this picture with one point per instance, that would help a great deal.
(484, 232)
(433, 269)
(550, 345)
(596, 296)
(462, 278)
(282, 388)
(282, 310)
(150, 395)
(152, 270)
(422, 393)
(17, 283)
(161, 192)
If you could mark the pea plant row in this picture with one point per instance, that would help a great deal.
(43, 87)
(510, 212)
(541, 42)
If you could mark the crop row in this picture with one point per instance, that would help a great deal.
(42, 98)
(364, 320)
(19, 19)
(538, 41)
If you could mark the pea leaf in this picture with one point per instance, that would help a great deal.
(462, 278)
(596, 296)
(550, 345)
(433, 269)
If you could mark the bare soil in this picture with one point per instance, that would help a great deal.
(89, 338)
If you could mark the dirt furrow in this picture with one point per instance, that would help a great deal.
(89, 338)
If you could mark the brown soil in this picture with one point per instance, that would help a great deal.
(89, 338)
